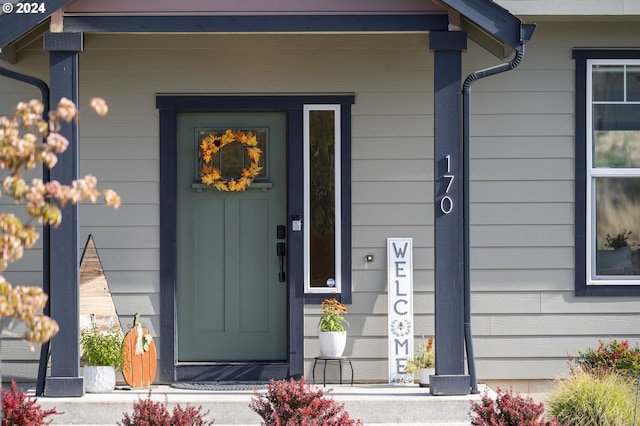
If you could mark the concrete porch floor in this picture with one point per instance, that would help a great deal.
(374, 404)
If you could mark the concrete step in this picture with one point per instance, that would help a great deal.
(375, 405)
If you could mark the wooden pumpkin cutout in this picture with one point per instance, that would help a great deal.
(139, 350)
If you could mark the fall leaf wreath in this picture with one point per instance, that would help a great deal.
(212, 176)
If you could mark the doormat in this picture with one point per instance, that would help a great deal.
(220, 386)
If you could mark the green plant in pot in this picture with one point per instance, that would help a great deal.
(102, 350)
(423, 362)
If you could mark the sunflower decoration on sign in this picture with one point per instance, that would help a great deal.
(212, 144)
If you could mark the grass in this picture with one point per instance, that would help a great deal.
(587, 399)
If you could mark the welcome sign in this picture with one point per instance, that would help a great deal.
(400, 307)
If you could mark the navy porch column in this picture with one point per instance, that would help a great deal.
(65, 377)
(450, 377)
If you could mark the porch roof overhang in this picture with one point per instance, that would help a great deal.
(487, 23)
(23, 32)
(19, 26)
(491, 26)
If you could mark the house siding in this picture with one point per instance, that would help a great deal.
(526, 319)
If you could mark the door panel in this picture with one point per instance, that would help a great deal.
(230, 303)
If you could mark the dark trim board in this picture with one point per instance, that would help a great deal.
(258, 23)
(581, 288)
(187, 103)
(580, 233)
(249, 371)
(169, 106)
(168, 255)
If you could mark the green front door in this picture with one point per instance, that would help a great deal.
(230, 297)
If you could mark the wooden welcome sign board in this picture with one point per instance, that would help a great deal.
(400, 307)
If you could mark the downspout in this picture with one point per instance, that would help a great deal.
(46, 284)
(44, 89)
(466, 114)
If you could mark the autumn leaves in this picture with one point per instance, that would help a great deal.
(212, 144)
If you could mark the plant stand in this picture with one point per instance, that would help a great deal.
(339, 359)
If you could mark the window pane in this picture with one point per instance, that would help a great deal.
(616, 117)
(617, 149)
(617, 226)
(633, 83)
(608, 83)
(231, 159)
(322, 197)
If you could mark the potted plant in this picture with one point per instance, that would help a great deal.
(423, 362)
(332, 335)
(615, 259)
(102, 351)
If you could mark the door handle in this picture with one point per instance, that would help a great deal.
(281, 252)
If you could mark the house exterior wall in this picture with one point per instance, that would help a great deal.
(526, 319)
(304, 64)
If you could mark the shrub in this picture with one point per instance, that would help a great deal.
(584, 398)
(613, 356)
(508, 409)
(149, 413)
(20, 409)
(291, 403)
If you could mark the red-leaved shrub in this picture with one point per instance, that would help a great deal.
(20, 409)
(612, 356)
(509, 409)
(296, 403)
(149, 413)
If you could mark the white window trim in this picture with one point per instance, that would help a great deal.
(592, 173)
(307, 201)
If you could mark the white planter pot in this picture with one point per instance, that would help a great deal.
(424, 374)
(99, 379)
(332, 343)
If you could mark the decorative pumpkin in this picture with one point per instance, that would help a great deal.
(139, 350)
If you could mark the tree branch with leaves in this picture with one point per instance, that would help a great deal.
(22, 150)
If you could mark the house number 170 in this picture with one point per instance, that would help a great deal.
(446, 203)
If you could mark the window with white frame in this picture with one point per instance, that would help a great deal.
(322, 201)
(608, 180)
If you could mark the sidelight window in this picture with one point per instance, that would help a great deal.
(322, 207)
